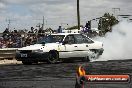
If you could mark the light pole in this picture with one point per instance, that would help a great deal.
(114, 10)
(78, 15)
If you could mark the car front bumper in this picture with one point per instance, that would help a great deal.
(33, 56)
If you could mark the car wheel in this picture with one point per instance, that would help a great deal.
(26, 62)
(93, 55)
(53, 57)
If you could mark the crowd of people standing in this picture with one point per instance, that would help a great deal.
(20, 38)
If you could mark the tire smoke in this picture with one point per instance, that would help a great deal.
(118, 43)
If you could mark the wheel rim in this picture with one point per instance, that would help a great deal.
(93, 55)
(53, 58)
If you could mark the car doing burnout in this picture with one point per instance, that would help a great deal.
(61, 47)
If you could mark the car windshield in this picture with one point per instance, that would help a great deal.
(52, 39)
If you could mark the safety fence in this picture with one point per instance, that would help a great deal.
(7, 53)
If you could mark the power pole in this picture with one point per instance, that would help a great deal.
(43, 23)
(9, 22)
(78, 15)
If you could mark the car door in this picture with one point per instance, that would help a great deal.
(89, 43)
(69, 47)
(84, 45)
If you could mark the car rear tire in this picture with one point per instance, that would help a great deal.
(53, 57)
(93, 55)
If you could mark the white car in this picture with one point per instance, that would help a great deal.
(61, 47)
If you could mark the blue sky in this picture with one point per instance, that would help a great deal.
(18, 9)
(27, 13)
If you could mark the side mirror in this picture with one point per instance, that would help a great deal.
(43, 43)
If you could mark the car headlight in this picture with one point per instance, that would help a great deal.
(38, 50)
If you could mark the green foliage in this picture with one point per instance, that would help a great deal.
(106, 22)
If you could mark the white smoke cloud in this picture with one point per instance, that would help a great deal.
(2, 6)
(118, 43)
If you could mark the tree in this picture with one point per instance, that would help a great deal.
(106, 22)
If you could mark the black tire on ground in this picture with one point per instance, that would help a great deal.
(26, 62)
(53, 57)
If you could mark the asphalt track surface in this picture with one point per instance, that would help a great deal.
(60, 75)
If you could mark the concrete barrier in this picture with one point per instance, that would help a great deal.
(7, 53)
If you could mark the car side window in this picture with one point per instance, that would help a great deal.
(70, 39)
(82, 39)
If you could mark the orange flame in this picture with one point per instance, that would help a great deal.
(81, 71)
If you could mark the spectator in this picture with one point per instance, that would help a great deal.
(4, 44)
(1, 42)
(6, 33)
(59, 29)
(40, 32)
(31, 32)
(10, 43)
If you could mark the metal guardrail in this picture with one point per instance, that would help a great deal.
(7, 53)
